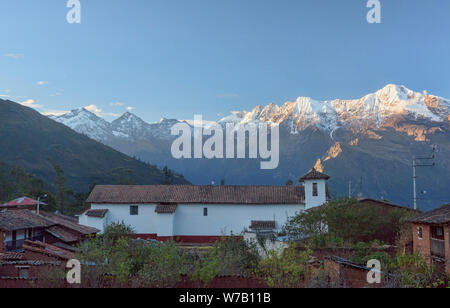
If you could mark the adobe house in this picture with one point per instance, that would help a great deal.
(431, 236)
(16, 226)
(388, 209)
(19, 225)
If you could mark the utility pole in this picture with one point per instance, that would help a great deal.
(350, 189)
(417, 163)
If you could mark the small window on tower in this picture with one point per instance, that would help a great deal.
(420, 233)
(315, 190)
(134, 210)
(205, 211)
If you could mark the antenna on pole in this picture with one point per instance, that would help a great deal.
(417, 163)
(350, 189)
(360, 188)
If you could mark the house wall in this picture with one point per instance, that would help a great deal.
(144, 223)
(320, 199)
(226, 219)
(165, 225)
(2, 241)
(447, 248)
(423, 246)
(188, 221)
(96, 222)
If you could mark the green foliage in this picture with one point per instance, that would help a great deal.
(167, 180)
(159, 265)
(229, 256)
(16, 182)
(116, 231)
(123, 176)
(412, 271)
(62, 192)
(285, 269)
(28, 139)
(206, 268)
(55, 278)
(346, 220)
(116, 260)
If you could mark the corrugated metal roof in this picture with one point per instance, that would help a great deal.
(262, 225)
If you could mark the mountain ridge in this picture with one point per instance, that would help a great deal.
(34, 142)
(365, 138)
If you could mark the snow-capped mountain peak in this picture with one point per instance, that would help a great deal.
(371, 111)
(374, 109)
(85, 122)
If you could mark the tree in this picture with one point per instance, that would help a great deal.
(289, 182)
(123, 176)
(286, 269)
(61, 190)
(348, 220)
(168, 177)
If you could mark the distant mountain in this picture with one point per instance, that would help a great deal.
(369, 141)
(30, 140)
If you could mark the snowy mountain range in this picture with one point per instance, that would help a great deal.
(360, 140)
(370, 112)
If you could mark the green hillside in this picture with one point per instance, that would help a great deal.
(34, 142)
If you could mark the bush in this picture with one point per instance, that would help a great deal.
(287, 269)
(412, 271)
(229, 256)
(159, 265)
(346, 219)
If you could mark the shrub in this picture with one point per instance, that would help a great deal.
(159, 265)
(286, 269)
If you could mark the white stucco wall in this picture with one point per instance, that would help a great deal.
(144, 223)
(96, 222)
(188, 220)
(165, 224)
(226, 218)
(312, 201)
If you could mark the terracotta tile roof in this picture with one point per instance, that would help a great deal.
(70, 223)
(262, 225)
(62, 234)
(66, 247)
(11, 220)
(48, 250)
(96, 213)
(439, 216)
(197, 194)
(313, 174)
(166, 208)
(363, 200)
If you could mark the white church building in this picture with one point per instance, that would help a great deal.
(199, 214)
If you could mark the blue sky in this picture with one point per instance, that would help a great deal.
(177, 58)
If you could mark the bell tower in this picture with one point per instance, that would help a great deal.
(315, 184)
